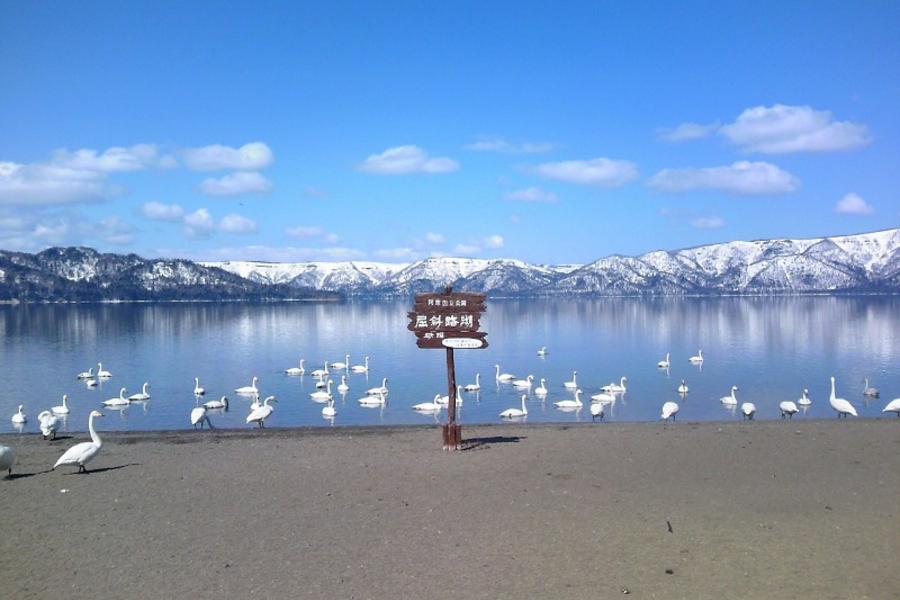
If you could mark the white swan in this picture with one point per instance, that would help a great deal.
(341, 365)
(596, 411)
(262, 413)
(49, 424)
(524, 383)
(893, 406)
(81, 454)
(90, 383)
(804, 398)
(249, 389)
(7, 459)
(474, 387)
(664, 364)
(64, 408)
(542, 351)
(512, 413)
(101, 373)
(257, 404)
(214, 404)
(321, 373)
(19, 416)
(198, 415)
(296, 370)
(372, 400)
(870, 392)
(683, 388)
(428, 406)
(841, 405)
(320, 384)
(572, 385)
(603, 398)
(120, 401)
(321, 396)
(89, 374)
(732, 399)
(541, 390)
(142, 395)
(364, 368)
(503, 377)
(669, 409)
(382, 389)
(698, 358)
(445, 399)
(788, 409)
(198, 391)
(749, 409)
(343, 387)
(328, 410)
(615, 387)
(576, 403)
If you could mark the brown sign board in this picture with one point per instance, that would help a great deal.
(450, 321)
(465, 301)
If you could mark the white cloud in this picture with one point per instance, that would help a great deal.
(396, 253)
(597, 171)
(494, 241)
(466, 249)
(403, 160)
(303, 232)
(249, 157)
(687, 131)
(132, 158)
(708, 222)
(781, 129)
(199, 223)
(235, 184)
(114, 230)
(42, 184)
(486, 143)
(435, 238)
(267, 253)
(532, 194)
(158, 211)
(742, 178)
(234, 223)
(853, 204)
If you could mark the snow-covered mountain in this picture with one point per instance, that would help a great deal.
(863, 263)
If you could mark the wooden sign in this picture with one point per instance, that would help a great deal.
(443, 321)
(436, 341)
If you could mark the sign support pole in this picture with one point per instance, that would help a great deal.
(452, 433)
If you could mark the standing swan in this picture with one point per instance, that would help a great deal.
(7, 459)
(664, 364)
(732, 399)
(749, 409)
(249, 389)
(788, 409)
(81, 454)
(841, 405)
(198, 391)
(361, 368)
(64, 409)
(474, 387)
(19, 416)
(698, 358)
(596, 411)
(198, 415)
(142, 395)
(512, 413)
(669, 409)
(893, 406)
(49, 424)
(296, 370)
(572, 385)
(262, 413)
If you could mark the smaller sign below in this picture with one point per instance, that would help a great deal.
(462, 343)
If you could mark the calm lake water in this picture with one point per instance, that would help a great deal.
(771, 348)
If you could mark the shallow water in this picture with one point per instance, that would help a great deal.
(771, 348)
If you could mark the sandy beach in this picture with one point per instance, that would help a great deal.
(712, 510)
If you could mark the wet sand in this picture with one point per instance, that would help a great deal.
(743, 510)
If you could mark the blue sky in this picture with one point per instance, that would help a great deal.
(398, 131)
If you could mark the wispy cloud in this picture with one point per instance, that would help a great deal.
(267, 253)
(201, 223)
(401, 253)
(687, 131)
(237, 184)
(404, 160)
(853, 204)
(782, 129)
(216, 157)
(435, 238)
(742, 178)
(494, 241)
(305, 232)
(235, 223)
(489, 143)
(532, 194)
(708, 222)
(466, 249)
(597, 171)
(157, 211)
(117, 158)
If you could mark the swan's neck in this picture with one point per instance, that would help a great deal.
(524, 409)
(144, 389)
(622, 382)
(832, 389)
(65, 401)
(94, 437)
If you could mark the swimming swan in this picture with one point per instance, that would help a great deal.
(541, 390)
(64, 409)
(198, 391)
(221, 403)
(361, 368)
(249, 389)
(101, 373)
(512, 413)
(428, 406)
(615, 387)
(81, 454)
(698, 358)
(576, 403)
(841, 405)
(523, 383)
(503, 377)
(572, 385)
(870, 391)
(379, 390)
(664, 364)
(804, 398)
(120, 401)
(341, 365)
(329, 410)
(372, 400)
(732, 399)
(474, 387)
(296, 370)
(683, 388)
(322, 396)
(89, 374)
(343, 387)
(142, 395)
